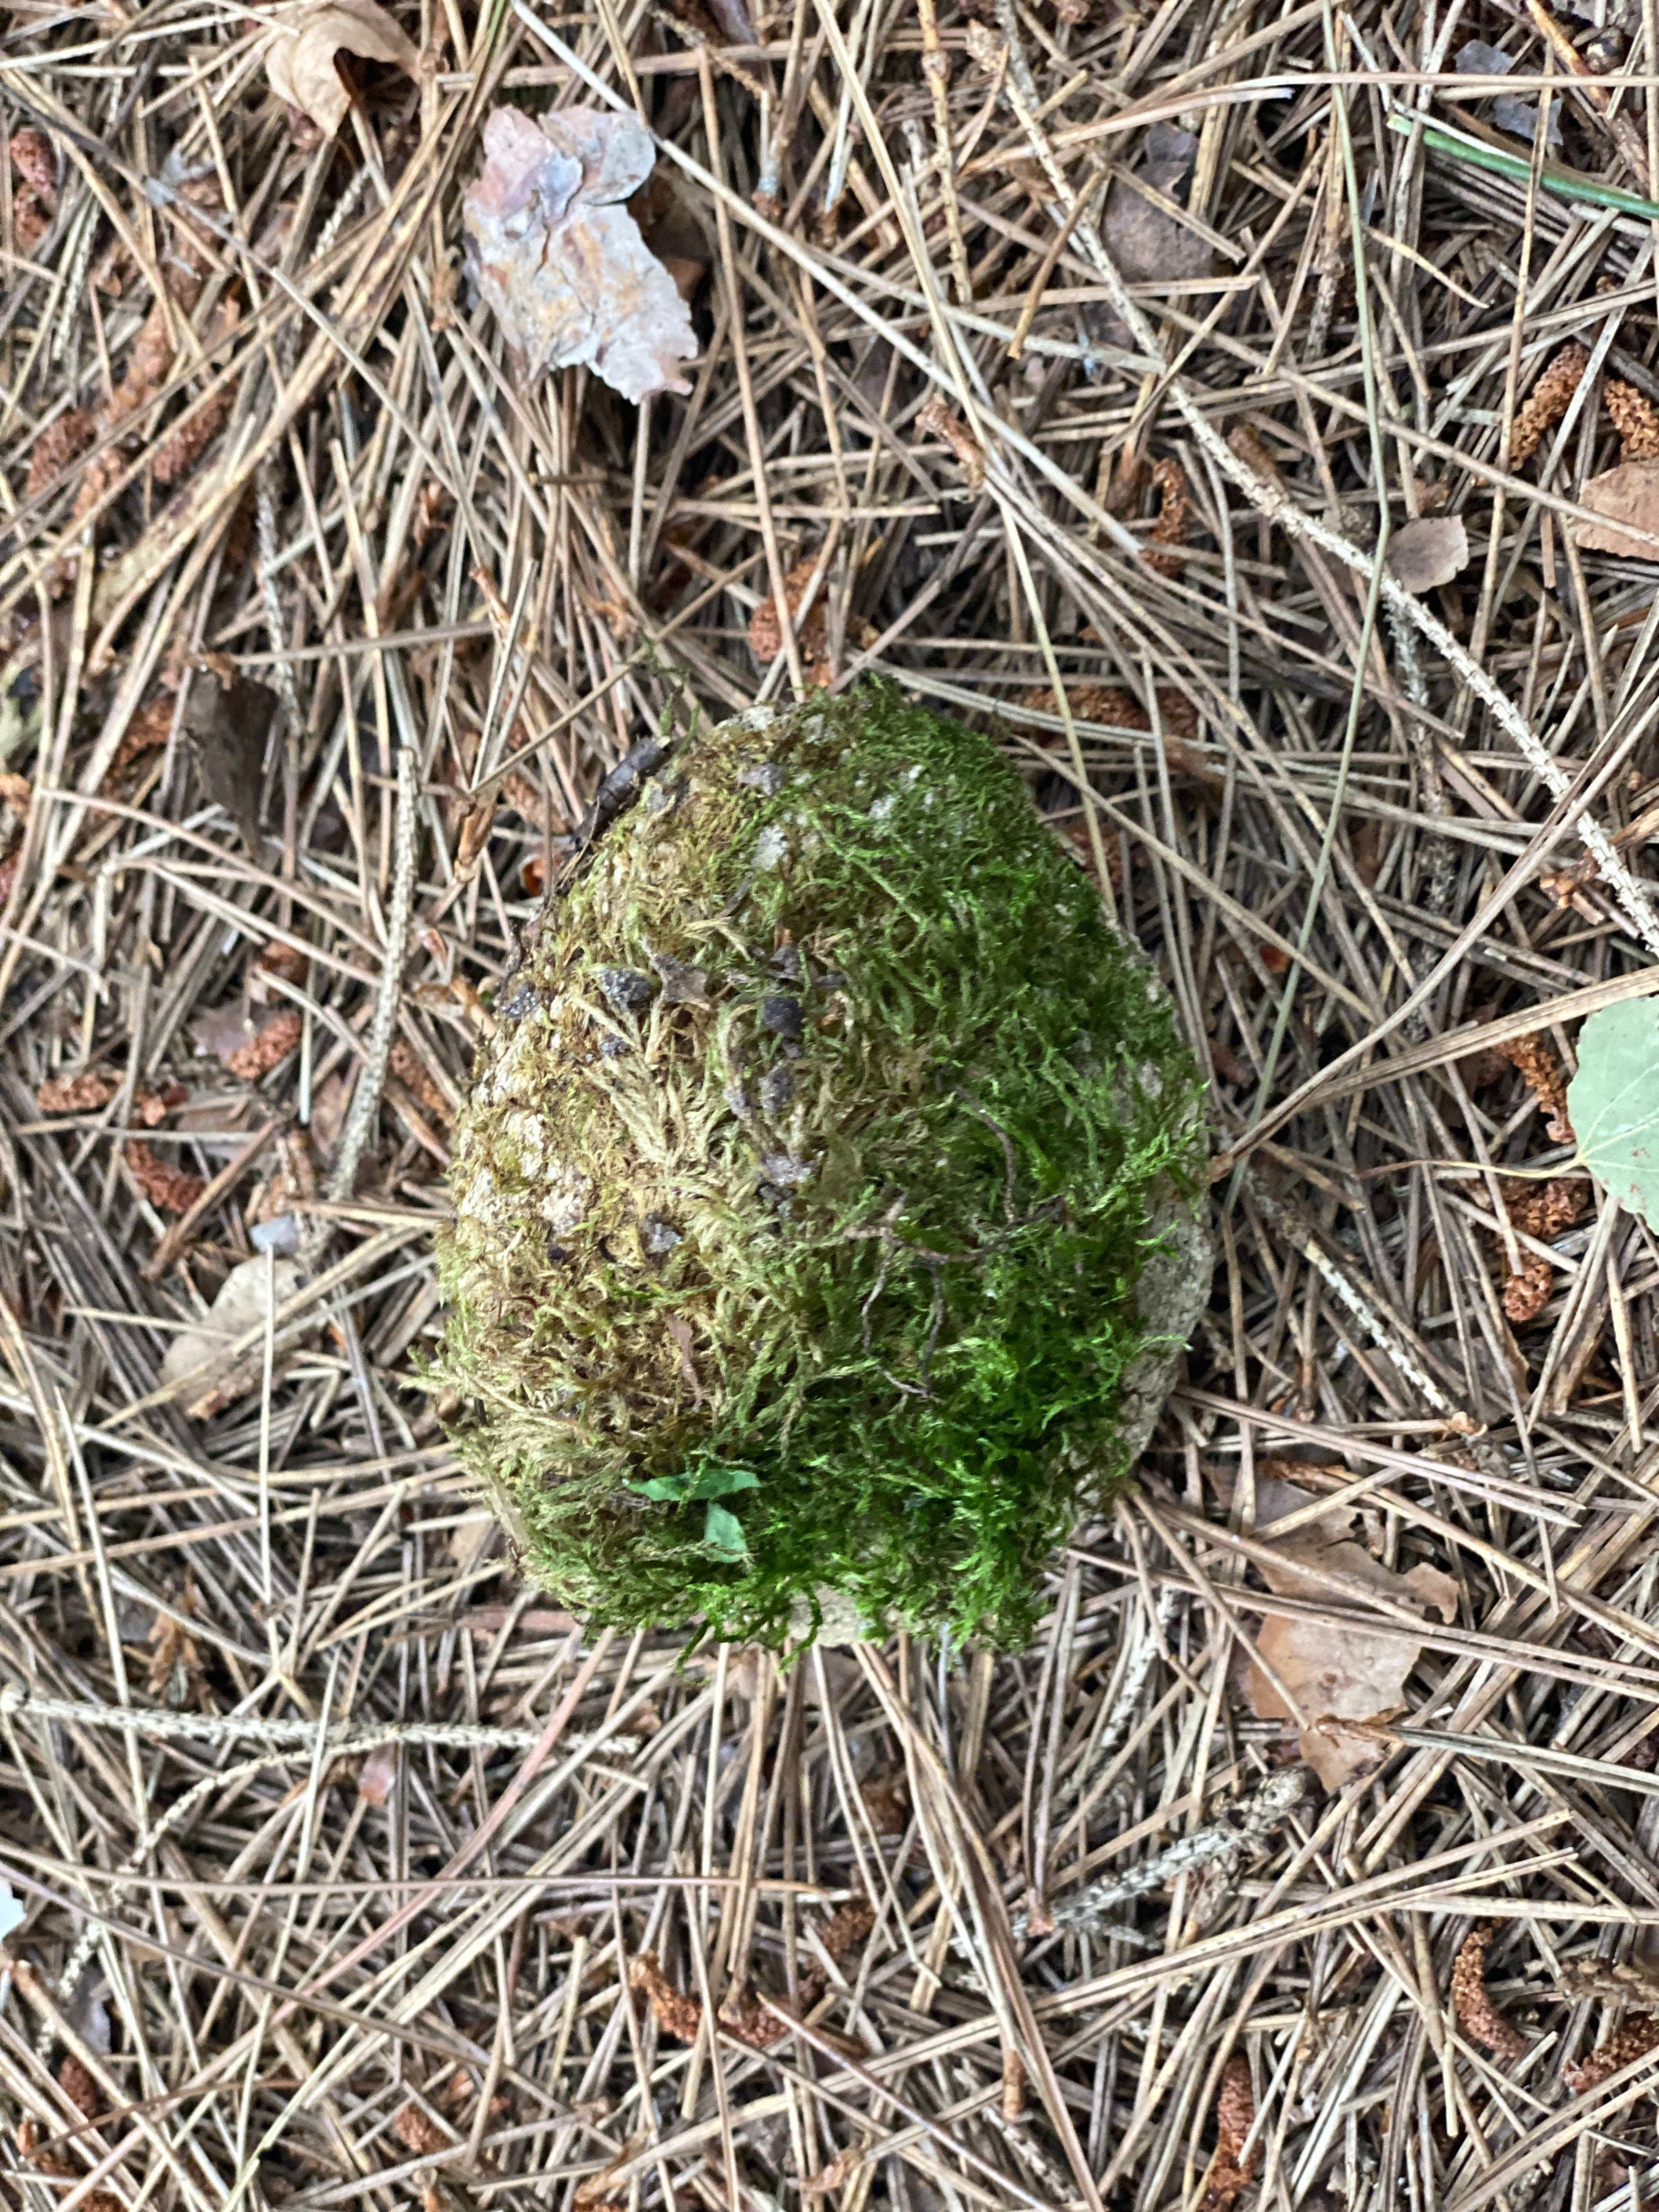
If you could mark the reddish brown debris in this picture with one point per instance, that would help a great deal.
(812, 635)
(416, 2131)
(74, 2080)
(676, 2014)
(1634, 416)
(1634, 2039)
(149, 729)
(1527, 1292)
(57, 445)
(272, 1042)
(936, 420)
(1547, 401)
(74, 1094)
(169, 1190)
(1232, 2169)
(1541, 1066)
(1175, 507)
(1477, 2016)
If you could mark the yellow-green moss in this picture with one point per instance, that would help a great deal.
(803, 1202)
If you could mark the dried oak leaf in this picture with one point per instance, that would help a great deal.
(74, 1094)
(1634, 416)
(1231, 2170)
(169, 1190)
(1539, 1064)
(1346, 1680)
(1634, 2039)
(561, 260)
(1547, 401)
(301, 60)
(676, 2013)
(1429, 551)
(1477, 2016)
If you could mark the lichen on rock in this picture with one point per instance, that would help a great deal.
(827, 1214)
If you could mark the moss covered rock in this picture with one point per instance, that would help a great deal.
(826, 1206)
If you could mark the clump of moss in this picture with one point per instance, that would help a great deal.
(825, 1200)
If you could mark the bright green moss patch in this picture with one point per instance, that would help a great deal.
(804, 1202)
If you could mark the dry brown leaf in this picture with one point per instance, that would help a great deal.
(74, 1094)
(301, 59)
(228, 720)
(1477, 2016)
(169, 1190)
(1347, 1679)
(1632, 2040)
(1428, 552)
(200, 1356)
(561, 260)
(1627, 498)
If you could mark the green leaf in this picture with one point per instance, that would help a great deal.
(721, 1482)
(723, 1533)
(666, 1489)
(1613, 1103)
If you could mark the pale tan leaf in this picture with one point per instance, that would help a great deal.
(1347, 1680)
(1628, 496)
(559, 258)
(300, 62)
(1430, 550)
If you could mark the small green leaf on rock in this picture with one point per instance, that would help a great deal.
(1613, 1100)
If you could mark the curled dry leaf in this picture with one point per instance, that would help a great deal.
(1347, 1679)
(301, 59)
(1477, 2016)
(561, 260)
(1430, 551)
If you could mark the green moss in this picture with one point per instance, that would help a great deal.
(804, 1202)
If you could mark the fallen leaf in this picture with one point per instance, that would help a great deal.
(1430, 550)
(561, 260)
(200, 1356)
(300, 63)
(1627, 497)
(1347, 1679)
(227, 724)
(1613, 1100)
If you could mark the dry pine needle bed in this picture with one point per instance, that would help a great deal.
(1248, 414)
